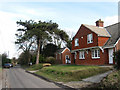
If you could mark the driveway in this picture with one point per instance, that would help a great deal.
(17, 78)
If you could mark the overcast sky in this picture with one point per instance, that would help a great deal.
(69, 16)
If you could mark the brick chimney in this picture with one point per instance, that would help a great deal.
(99, 23)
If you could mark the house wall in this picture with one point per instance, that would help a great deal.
(72, 59)
(66, 52)
(82, 36)
(118, 45)
(97, 41)
(89, 61)
(102, 40)
(57, 57)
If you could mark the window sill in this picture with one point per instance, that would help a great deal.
(95, 57)
(76, 46)
(81, 58)
(89, 43)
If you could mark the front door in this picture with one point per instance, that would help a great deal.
(111, 56)
(67, 58)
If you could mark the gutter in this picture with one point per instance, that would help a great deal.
(112, 46)
(72, 51)
(101, 48)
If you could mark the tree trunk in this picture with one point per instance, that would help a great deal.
(38, 53)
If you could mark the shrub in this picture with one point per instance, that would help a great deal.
(36, 67)
(111, 81)
(41, 59)
(117, 59)
(50, 60)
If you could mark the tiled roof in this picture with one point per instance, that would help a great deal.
(98, 30)
(60, 50)
(114, 31)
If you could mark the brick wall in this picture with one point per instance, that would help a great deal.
(89, 61)
(66, 52)
(58, 60)
(117, 46)
(82, 36)
(102, 40)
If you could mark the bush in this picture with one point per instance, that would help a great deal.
(41, 59)
(36, 67)
(50, 60)
(117, 59)
(24, 58)
(111, 81)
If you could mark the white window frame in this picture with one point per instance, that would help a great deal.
(76, 42)
(81, 54)
(89, 38)
(75, 55)
(95, 53)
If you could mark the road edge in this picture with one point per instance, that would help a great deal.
(56, 83)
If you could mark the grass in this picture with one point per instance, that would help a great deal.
(0, 69)
(66, 73)
(33, 67)
(111, 81)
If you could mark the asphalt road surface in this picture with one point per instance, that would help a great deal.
(17, 78)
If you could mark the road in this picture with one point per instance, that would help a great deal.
(17, 78)
(0, 79)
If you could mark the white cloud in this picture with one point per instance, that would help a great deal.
(8, 26)
(7, 36)
(70, 23)
(109, 20)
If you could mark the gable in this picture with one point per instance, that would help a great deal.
(82, 35)
(82, 32)
(66, 49)
(62, 50)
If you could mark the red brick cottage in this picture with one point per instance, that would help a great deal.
(63, 56)
(94, 45)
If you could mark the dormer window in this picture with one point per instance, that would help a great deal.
(89, 38)
(76, 42)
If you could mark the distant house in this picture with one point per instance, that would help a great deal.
(95, 45)
(63, 56)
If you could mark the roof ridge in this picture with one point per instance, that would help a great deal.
(96, 30)
(94, 26)
(112, 25)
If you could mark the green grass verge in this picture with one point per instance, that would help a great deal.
(112, 80)
(66, 73)
(33, 67)
(0, 69)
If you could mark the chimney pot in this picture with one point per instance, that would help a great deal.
(99, 23)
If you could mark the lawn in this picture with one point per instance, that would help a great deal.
(66, 73)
